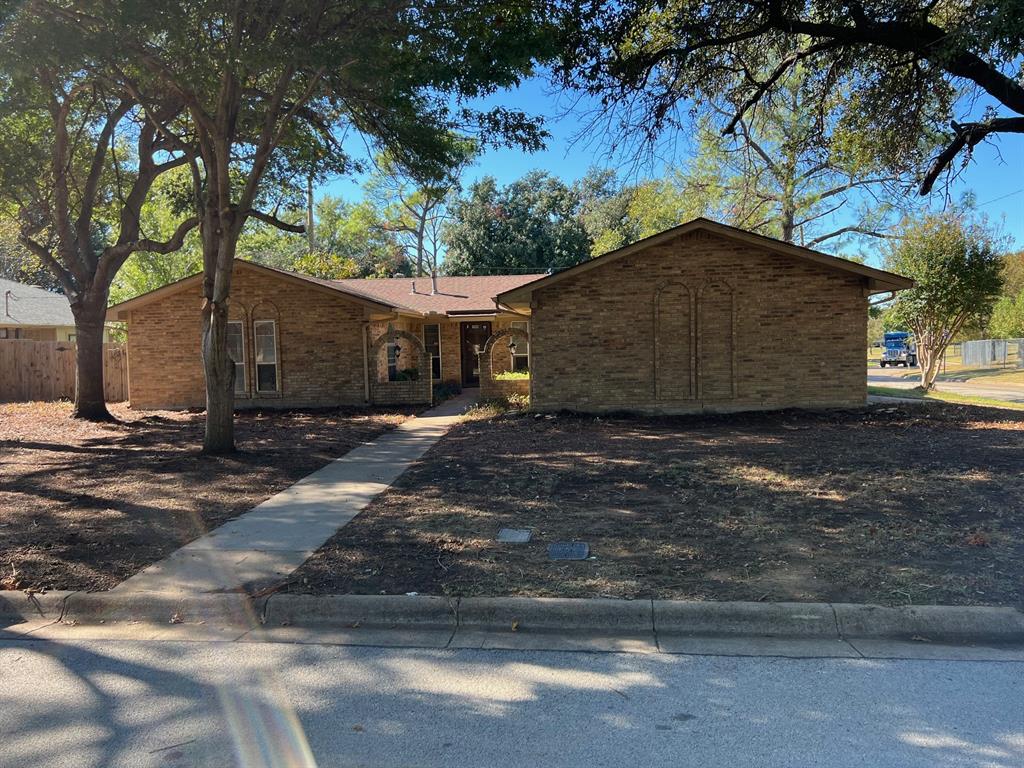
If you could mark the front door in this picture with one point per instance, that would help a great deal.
(474, 336)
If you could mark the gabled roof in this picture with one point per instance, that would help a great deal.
(30, 305)
(878, 280)
(455, 295)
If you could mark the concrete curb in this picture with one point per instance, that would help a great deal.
(230, 609)
(19, 607)
(348, 611)
(555, 614)
(949, 623)
(793, 620)
(141, 607)
(603, 617)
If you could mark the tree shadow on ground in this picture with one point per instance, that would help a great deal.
(83, 507)
(162, 703)
(885, 504)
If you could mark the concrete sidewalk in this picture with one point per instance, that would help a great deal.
(267, 543)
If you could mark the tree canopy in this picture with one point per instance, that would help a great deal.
(955, 263)
(897, 66)
(79, 154)
(531, 225)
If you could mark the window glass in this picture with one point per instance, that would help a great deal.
(236, 351)
(266, 355)
(432, 341)
(521, 357)
(392, 362)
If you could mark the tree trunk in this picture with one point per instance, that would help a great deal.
(930, 368)
(90, 400)
(219, 437)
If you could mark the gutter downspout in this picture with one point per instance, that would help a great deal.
(366, 361)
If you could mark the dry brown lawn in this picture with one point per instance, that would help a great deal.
(908, 504)
(84, 506)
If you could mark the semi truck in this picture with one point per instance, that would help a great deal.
(898, 349)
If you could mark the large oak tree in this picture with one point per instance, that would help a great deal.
(269, 87)
(78, 158)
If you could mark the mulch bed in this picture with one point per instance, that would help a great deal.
(888, 504)
(84, 506)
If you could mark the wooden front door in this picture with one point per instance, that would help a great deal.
(474, 336)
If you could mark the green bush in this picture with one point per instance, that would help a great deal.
(444, 390)
(408, 374)
(512, 376)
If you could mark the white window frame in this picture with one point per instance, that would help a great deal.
(244, 391)
(430, 357)
(523, 325)
(277, 358)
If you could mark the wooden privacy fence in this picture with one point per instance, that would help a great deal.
(45, 370)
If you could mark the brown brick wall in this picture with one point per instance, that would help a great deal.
(497, 389)
(320, 353)
(700, 323)
(451, 344)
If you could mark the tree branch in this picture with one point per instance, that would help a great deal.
(763, 87)
(174, 243)
(267, 218)
(967, 135)
(843, 231)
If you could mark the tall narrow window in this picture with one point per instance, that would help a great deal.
(392, 362)
(236, 351)
(432, 341)
(521, 356)
(265, 332)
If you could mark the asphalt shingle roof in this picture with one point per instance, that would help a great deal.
(29, 305)
(455, 295)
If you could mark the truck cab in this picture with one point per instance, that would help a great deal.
(898, 349)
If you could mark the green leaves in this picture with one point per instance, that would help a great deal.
(955, 263)
(956, 266)
(531, 225)
(892, 70)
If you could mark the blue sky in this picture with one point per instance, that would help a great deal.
(995, 176)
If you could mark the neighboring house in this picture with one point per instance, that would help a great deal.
(700, 317)
(29, 312)
(304, 341)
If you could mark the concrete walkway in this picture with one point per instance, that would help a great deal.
(266, 544)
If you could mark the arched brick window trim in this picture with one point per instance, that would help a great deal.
(485, 355)
(265, 309)
(703, 334)
(664, 389)
(389, 337)
(383, 391)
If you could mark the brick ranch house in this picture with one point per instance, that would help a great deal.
(700, 317)
(300, 341)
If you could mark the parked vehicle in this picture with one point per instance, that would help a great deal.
(898, 350)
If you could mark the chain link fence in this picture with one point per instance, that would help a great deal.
(992, 353)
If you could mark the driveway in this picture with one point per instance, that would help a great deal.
(894, 377)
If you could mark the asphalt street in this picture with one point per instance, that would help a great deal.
(161, 703)
(978, 387)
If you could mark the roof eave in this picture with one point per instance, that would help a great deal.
(118, 312)
(893, 282)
